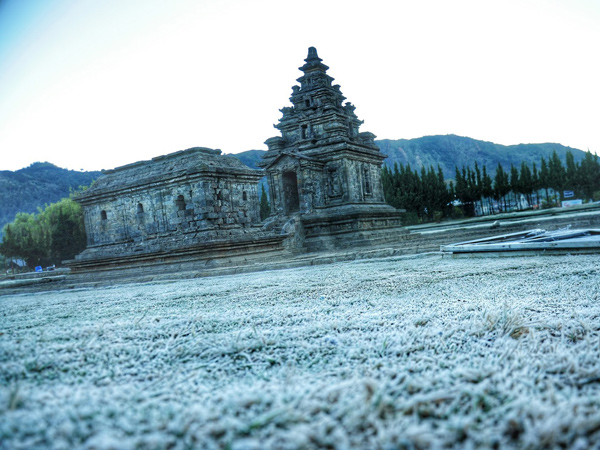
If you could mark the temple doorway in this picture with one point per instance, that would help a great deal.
(291, 200)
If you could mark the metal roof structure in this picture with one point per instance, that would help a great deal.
(529, 242)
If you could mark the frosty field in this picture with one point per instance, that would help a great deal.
(421, 352)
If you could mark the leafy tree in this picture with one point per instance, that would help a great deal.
(27, 189)
(23, 238)
(66, 232)
(54, 234)
(443, 195)
(427, 196)
(461, 186)
(389, 181)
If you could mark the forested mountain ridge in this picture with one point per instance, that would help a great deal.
(249, 157)
(41, 183)
(452, 151)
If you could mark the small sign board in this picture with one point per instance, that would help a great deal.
(568, 194)
(567, 203)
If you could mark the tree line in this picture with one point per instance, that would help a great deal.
(427, 196)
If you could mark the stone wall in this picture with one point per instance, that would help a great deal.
(212, 204)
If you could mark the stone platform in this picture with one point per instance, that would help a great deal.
(350, 226)
(209, 255)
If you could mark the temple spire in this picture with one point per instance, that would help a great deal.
(313, 62)
(312, 55)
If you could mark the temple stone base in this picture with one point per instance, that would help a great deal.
(199, 256)
(351, 226)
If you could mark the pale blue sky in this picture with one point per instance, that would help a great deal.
(91, 84)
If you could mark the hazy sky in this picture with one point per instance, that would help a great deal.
(95, 84)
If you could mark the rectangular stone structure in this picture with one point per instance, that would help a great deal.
(191, 199)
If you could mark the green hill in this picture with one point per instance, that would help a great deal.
(28, 189)
(249, 157)
(450, 151)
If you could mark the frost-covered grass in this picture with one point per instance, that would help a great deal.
(392, 353)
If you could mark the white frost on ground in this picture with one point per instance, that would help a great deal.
(391, 353)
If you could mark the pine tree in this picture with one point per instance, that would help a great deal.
(526, 182)
(545, 178)
(487, 190)
(514, 184)
(572, 174)
(466, 190)
(460, 186)
(501, 185)
(589, 175)
(535, 183)
(443, 195)
(478, 188)
(556, 174)
(265, 207)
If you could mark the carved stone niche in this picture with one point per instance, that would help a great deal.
(333, 182)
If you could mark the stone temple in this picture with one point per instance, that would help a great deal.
(196, 205)
(324, 175)
(189, 205)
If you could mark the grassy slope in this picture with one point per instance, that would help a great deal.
(373, 354)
